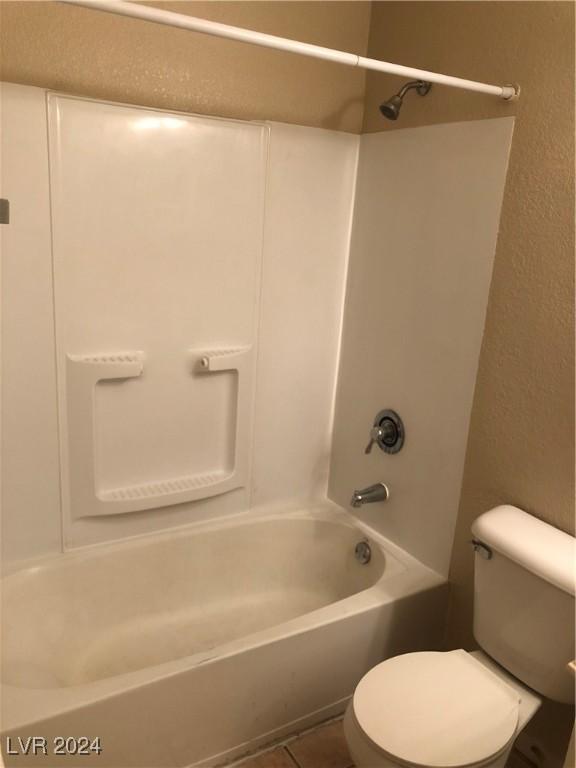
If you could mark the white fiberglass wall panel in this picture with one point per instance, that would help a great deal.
(309, 202)
(31, 522)
(157, 244)
(424, 235)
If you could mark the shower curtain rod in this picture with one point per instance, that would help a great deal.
(204, 26)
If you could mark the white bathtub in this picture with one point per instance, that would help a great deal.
(196, 646)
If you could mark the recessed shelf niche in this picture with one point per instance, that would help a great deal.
(87, 497)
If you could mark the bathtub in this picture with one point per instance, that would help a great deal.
(196, 646)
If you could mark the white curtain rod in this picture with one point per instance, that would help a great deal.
(183, 21)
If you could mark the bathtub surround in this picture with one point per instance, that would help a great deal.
(291, 443)
(426, 219)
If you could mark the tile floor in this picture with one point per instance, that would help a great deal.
(323, 747)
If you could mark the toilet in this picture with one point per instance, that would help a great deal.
(460, 709)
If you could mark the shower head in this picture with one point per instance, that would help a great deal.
(391, 108)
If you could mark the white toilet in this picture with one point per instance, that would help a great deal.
(464, 710)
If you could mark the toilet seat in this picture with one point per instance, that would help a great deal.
(436, 710)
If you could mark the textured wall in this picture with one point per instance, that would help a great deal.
(109, 57)
(521, 443)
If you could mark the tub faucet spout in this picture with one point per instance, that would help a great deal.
(376, 492)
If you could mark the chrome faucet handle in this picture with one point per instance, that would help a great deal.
(376, 433)
(385, 432)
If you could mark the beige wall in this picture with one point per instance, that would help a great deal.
(108, 57)
(521, 443)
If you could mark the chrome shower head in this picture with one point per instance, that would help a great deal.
(391, 108)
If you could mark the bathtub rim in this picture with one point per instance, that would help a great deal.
(325, 511)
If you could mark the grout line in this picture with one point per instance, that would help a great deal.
(296, 763)
(324, 723)
(284, 743)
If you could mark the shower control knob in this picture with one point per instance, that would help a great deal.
(387, 432)
(379, 434)
(374, 435)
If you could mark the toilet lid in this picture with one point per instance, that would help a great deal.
(438, 710)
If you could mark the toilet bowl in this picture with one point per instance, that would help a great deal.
(436, 710)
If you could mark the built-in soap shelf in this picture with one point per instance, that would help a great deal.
(86, 497)
(223, 359)
(155, 490)
(95, 368)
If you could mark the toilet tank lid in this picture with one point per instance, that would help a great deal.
(537, 546)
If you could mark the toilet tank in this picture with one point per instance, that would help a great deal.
(524, 598)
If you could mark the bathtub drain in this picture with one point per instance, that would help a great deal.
(362, 552)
